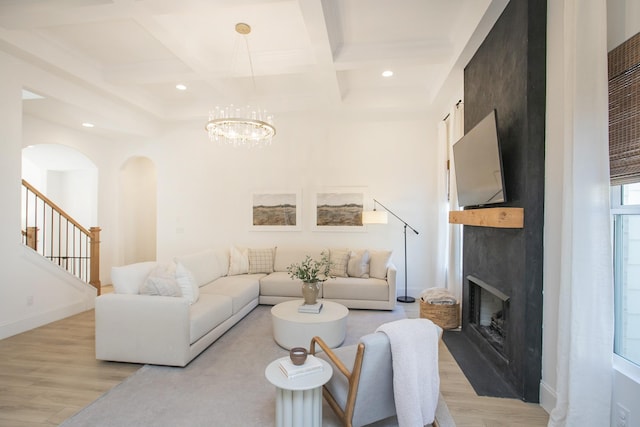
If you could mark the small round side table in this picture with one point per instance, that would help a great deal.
(299, 399)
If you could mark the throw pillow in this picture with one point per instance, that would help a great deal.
(238, 261)
(379, 263)
(188, 286)
(162, 281)
(127, 279)
(339, 260)
(204, 266)
(358, 264)
(261, 260)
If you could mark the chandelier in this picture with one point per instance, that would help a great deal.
(247, 126)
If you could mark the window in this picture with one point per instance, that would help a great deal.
(624, 161)
(625, 208)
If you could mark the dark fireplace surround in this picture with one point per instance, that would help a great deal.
(507, 74)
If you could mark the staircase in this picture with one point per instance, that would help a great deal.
(55, 235)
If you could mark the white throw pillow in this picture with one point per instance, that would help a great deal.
(379, 263)
(204, 266)
(238, 261)
(127, 279)
(261, 260)
(162, 281)
(188, 286)
(358, 264)
(339, 259)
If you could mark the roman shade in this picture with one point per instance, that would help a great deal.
(624, 112)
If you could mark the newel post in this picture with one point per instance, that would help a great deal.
(94, 260)
(32, 238)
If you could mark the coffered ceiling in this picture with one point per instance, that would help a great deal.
(106, 57)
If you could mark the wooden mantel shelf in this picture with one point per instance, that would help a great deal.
(489, 217)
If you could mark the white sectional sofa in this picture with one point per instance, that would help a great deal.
(167, 315)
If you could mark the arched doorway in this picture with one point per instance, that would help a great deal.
(66, 176)
(138, 210)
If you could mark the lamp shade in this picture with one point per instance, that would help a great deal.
(374, 217)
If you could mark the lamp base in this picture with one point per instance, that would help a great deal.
(406, 299)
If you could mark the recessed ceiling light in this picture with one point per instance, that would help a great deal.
(387, 73)
(180, 86)
(88, 125)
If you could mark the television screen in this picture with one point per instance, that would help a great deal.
(478, 165)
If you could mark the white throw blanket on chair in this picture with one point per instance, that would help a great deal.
(416, 380)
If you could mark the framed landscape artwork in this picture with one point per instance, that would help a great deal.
(340, 209)
(276, 211)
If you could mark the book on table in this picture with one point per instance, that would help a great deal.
(310, 308)
(311, 365)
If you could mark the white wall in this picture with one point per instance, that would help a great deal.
(107, 156)
(76, 192)
(623, 17)
(204, 189)
(137, 214)
(32, 291)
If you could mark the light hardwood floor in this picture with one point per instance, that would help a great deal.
(50, 373)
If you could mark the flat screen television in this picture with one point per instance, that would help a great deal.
(478, 165)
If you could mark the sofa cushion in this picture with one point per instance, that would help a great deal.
(162, 282)
(205, 266)
(241, 289)
(358, 264)
(188, 286)
(287, 256)
(279, 284)
(379, 263)
(238, 261)
(261, 260)
(356, 289)
(339, 259)
(207, 313)
(127, 279)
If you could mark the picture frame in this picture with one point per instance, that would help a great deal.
(339, 209)
(276, 210)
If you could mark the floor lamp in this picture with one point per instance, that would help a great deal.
(378, 217)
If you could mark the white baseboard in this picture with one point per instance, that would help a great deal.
(548, 397)
(26, 324)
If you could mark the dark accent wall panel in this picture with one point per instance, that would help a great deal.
(507, 74)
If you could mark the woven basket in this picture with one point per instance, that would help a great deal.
(445, 316)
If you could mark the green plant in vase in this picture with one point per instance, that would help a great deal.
(312, 272)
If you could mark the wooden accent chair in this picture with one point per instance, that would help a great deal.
(363, 394)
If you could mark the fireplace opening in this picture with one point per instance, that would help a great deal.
(488, 312)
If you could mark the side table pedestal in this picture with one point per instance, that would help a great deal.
(298, 400)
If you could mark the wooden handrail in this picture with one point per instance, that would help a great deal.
(78, 252)
(56, 207)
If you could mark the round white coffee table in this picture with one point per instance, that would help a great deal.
(299, 399)
(294, 329)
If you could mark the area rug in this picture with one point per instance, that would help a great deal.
(224, 386)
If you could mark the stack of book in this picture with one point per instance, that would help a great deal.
(310, 308)
(311, 365)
